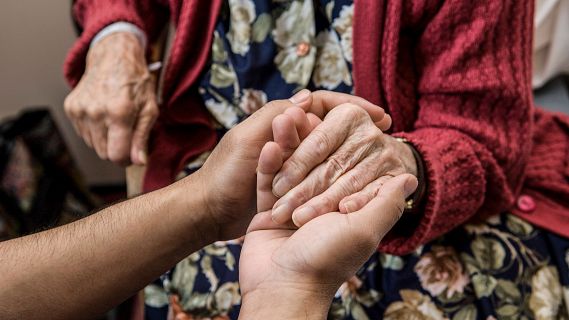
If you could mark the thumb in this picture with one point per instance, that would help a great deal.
(270, 161)
(144, 123)
(382, 212)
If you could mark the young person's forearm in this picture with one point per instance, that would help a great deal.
(90, 265)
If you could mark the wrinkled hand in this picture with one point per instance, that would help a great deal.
(341, 165)
(293, 266)
(114, 105)
(229, 174)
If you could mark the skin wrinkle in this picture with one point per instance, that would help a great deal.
(357, 200)
(352, 181)
(321, 147)
(114, 106)
(364, 160)
(341, 161)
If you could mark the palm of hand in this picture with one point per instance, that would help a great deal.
(323, 253)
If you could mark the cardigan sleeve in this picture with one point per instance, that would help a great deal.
(94, 15)
(473, 127)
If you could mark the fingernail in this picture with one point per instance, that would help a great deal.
(303, 215)
(142, 157)
(280, 187)
(410, 186)
(300, 96)
(281, 213)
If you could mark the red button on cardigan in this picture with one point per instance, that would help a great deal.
(526, 203)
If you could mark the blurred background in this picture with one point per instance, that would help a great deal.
(34, 40)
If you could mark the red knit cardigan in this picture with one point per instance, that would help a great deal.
(455, 76)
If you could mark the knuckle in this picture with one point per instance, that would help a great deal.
(293, 169)
(117, 158)
(95, 113)
(320, 141)
(324, 202)
(71, 108)
(298, 197)
(153, 112)
(333, 167)
(68, 104)
(273, 104)
(122, 112)
(351, 111)
(388, 153)
(367, 141)
(375, 136)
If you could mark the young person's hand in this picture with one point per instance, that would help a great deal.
(289, 273)
(228, 176)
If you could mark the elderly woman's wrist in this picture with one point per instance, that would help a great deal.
(415, 200)
(120, 46)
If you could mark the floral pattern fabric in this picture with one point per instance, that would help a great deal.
(503, 268)
(292, 44)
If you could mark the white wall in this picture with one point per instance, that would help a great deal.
(34, 38)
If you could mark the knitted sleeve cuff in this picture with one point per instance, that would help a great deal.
(96, 16)
(455, 189)
(121, 27)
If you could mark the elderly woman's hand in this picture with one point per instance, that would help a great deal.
(341, 165)
(114, 105)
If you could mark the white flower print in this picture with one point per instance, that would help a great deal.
(222, 73)
(252, 100)
(155, 296)
(545, 297)
(242, 15)
(414, 305)
(344, 26)
(295, 26)
(223, 112)
(331, 67)
(227, 296)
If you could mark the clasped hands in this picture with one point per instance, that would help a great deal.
(340, 179)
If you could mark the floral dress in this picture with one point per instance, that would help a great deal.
(502, 268)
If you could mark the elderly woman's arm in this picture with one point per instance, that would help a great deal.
(473, 127)
(94, 15)
(113, 105)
